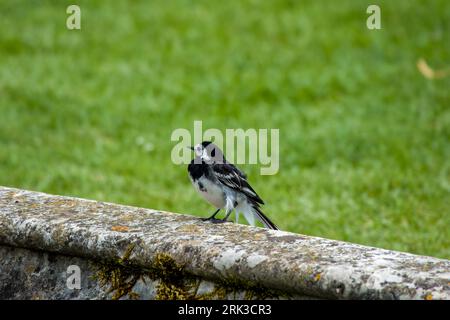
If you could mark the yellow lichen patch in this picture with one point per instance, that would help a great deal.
(429, 297)
(168, 291)
(167, 266)
(120, 228)
(192, 228)
(259, 236)
(174, 284)
(317, 277)
(121, 276)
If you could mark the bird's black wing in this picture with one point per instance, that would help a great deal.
(232, 177)
(238, 171)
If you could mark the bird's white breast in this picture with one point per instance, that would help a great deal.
(211, 192)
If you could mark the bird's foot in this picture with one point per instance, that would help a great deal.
(210, 217)
(214, 220)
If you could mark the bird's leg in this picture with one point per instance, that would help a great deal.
(212, 217)
(227, 215)
(229, 210)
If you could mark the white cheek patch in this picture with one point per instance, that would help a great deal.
(205, 155)
(198, 151)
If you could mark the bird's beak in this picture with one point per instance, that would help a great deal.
(192, 148)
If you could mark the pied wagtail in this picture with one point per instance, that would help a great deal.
(224, 186)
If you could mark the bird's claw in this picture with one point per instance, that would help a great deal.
(214, 220)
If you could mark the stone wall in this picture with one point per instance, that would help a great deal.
(134, 253)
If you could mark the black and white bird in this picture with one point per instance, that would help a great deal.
(225, 186)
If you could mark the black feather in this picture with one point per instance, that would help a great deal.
(266, 221)
(197, 168)
(235, 179)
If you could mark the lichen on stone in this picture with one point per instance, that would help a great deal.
(121, 275)
(173, 283)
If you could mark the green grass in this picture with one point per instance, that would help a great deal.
(364, 136)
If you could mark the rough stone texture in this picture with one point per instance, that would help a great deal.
(37, 275)
(56, 229)
(26, 274)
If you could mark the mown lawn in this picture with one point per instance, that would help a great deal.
(364, 136)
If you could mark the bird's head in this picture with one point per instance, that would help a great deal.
(208, 152)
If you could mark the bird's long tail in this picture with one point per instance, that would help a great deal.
(263, 218)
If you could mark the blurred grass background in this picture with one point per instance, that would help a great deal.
(364, 136)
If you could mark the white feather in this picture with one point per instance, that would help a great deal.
(248, 212)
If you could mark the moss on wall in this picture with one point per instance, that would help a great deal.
(173, 283)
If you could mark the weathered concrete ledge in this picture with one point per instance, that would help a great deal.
(129, 252)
